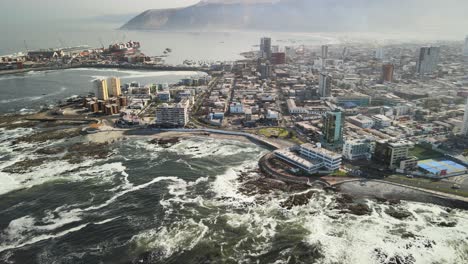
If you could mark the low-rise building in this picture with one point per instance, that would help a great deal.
(408, 164)
(302, 163)
(391, 153)
(164, 96)
(295, 110)
(331, 160)
(311, 158)
(358, 149)
(272, 115)
(354, 99)
(381, 121)
(361, 121)
(236, 108)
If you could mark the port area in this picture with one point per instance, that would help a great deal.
(123, 55)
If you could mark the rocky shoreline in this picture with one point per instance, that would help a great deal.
(98, 146)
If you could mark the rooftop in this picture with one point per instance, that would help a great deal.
(321, 150)
(307, 163)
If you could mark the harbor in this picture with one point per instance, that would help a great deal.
(126, 56)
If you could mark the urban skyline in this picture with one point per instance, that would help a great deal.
(234, 131)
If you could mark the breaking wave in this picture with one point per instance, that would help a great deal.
(200, 213)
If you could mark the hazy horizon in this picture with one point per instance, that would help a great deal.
(51, 22)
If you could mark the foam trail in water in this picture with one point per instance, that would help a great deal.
(40, 238)
(33, 98)
(132, 189)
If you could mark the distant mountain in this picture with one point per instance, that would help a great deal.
(306, 15)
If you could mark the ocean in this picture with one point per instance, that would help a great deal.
(28, 92)
(145, 203)
(191, 45)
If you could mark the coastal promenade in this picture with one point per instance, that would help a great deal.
(255, 138)
(427, 191)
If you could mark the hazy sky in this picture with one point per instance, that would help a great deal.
(49, 9)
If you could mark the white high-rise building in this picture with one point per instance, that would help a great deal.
(428, 60)
(173, 115)
(100, 88)
(325, 85)
(465, 120)
(265, 48)
(380, 54)
(324, 52)
(114, 88)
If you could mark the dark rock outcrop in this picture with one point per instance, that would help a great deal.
(81, 151)
(51, 135)
(398, 213)
(165, 142)
(346, 204)
(297, 199)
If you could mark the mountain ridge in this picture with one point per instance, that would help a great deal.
(301, 15)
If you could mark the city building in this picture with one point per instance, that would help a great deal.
(265, 71)
(311, 158)
(141, 91)
(350, 100)
(275, 49)
(265, 48)
(114, 87)
(236, 108)
(358, 149)
(294, 109)
(164, 96)
(465, 49)
(380, 54)
(324, 52)
(176, 115)
(408, 164)
(441, 168)
(381, 121)
(309, 166)
(331, 160)
(465, 119)
(428, 60)
(278, 58)
(325, 85)
(387, 72)
(332, 129)
(361, 121)
(101, 89)
(391, 153)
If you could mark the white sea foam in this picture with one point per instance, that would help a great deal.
(29, 74)
(21, 225)
(212, 147)
(50, 171)
(132, 189)
(135, 74)
(341, 238)
(173, 240)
